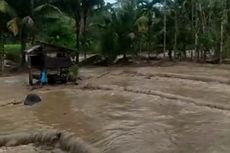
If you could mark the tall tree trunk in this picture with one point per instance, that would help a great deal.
(176, 31)
(149, 33)
(149, 48)
(191, 54)
(23, 55)
(204, 30)
(224, 15)
(165, 27)
(170, 54)
(196, 33)
(78, 25)
(140, 44)
(31, 8)
(124, 55)
(221, 41)
(192, 10)
(149, 42)
(85, 15)
(184, 51)
(2, 53)
(205, 54)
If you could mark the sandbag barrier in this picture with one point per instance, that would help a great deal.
(65, 141)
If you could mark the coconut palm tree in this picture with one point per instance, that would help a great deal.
(24, 23)
(118, 31)
(87, 6)
(148, 10)
(78, 10)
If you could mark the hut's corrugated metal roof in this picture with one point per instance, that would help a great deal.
(36, 47)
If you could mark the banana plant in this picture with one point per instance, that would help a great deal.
(5, 9)
(26, 26)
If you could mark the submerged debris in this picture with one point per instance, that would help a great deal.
(32, 99)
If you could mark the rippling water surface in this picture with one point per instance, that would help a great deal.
(117, 121)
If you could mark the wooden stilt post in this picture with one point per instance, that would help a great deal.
(30, 71)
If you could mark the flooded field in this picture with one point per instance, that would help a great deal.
(176, 109)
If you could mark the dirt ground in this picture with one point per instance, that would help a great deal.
(170, 109)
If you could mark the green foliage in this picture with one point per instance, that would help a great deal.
(59, 31)
(142, 24)
(207, 40)
(126, 27)
(12, 52)
(13, 49)
(74, 72)
(6, 8)
(109, 47)
(117, 30)
(47, 10)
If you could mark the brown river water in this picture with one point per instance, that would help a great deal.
(130, 110)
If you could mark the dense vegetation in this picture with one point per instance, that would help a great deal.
(175, 29)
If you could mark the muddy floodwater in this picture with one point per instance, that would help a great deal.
(175, 109)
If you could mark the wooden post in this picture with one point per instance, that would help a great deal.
(30, 71)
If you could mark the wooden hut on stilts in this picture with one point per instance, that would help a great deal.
(49, 60)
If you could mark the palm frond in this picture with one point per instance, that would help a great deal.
(47, 10)
(6, 8)
(13, 25)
